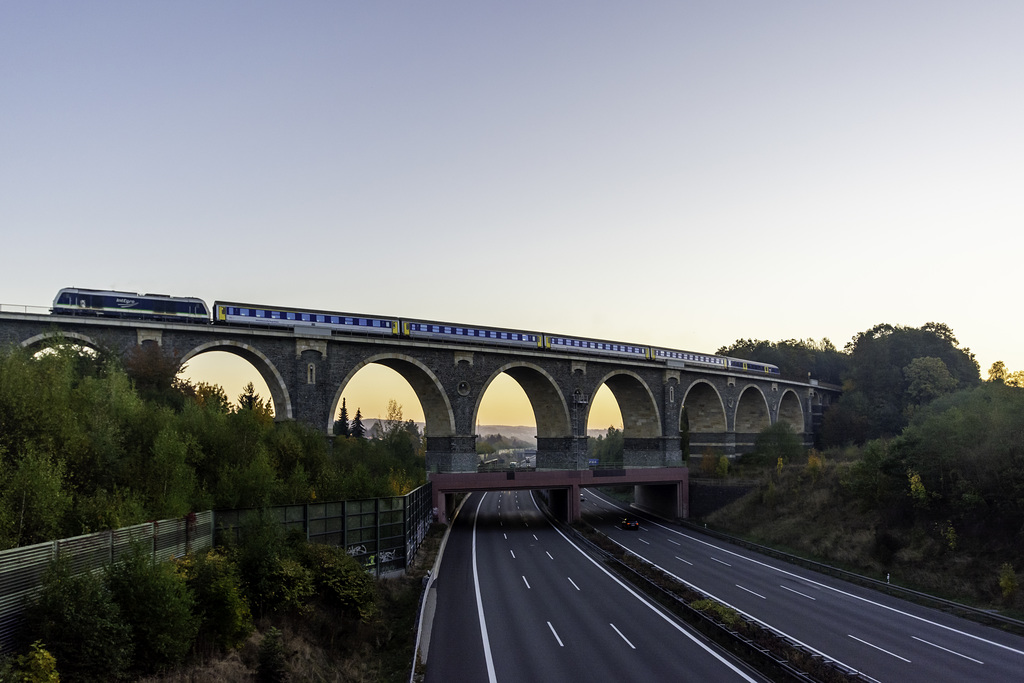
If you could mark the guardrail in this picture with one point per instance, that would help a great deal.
(981, 616)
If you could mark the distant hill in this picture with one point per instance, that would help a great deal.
(525, 432)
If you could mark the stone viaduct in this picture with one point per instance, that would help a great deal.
(307, 370)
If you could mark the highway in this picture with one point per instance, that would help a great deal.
(518, 601)
(884, 638)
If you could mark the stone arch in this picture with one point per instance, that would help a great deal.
(790, 411)
(639, 409)
(550, 409)
(437, 409)
(268, 371)
(752, 413)
(39, 339)
(705, 410)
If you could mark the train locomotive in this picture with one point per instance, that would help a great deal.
(109, 303)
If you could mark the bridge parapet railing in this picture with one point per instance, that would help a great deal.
(19, 308)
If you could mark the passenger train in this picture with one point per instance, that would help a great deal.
(106, 303)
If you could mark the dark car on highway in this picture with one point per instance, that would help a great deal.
(628, 523)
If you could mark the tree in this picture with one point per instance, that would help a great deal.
(357, 429)
(387, 428)
(152, 370)
(76, 617)
(998, 372)
(156, 603)
(882, 383)
(929, 378)
(341, 424)
(250, 400)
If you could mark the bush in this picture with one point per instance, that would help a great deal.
(341, 580)
(158, 606)
(76, 618)
(258, 553)
(271, 668)
(224, 616)
(35, 666)
(291, 586)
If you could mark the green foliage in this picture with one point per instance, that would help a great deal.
(774, 442)
(722, 468)
(718, 611)
(157, 604)
(79, 622)
(340, 580)
(271, 666)
(891, 372)
(80, 451)
(341, 424)
(1007, 582)
(609, 448)
(258, 552)
(356, 426)
(796, 358)
(496, 442)
(34, 499)
(225, 618)
(35, 666)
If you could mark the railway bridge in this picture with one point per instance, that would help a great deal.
(666, 411)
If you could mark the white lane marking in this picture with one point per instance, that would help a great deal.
(479, 603)
(513, 554)
(682, 560)
(623, 637)
(654, 609)
(893, 654)
(721, 562)
(506, 536)
(751, 592)
(548, 554)
(526, 582)
(674, 542)
(642, 541)
(535, 537)
(573, 583)
(555, 635)
(819, 585)
(747, 615)
(797, 592)
(945, 649)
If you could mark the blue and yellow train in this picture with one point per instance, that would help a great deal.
(110, 303)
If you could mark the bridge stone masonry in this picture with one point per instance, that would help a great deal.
(307, 370)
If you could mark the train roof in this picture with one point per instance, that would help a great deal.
(296, 309)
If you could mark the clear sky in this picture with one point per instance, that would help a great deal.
(674, 173)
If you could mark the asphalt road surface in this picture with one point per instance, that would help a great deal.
(518, 601)
(884, 638)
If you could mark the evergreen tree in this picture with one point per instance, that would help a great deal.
(341, 424)
(357, 429)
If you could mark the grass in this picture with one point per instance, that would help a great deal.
(816, 517)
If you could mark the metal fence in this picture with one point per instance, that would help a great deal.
(22, 569)
(383, 534)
